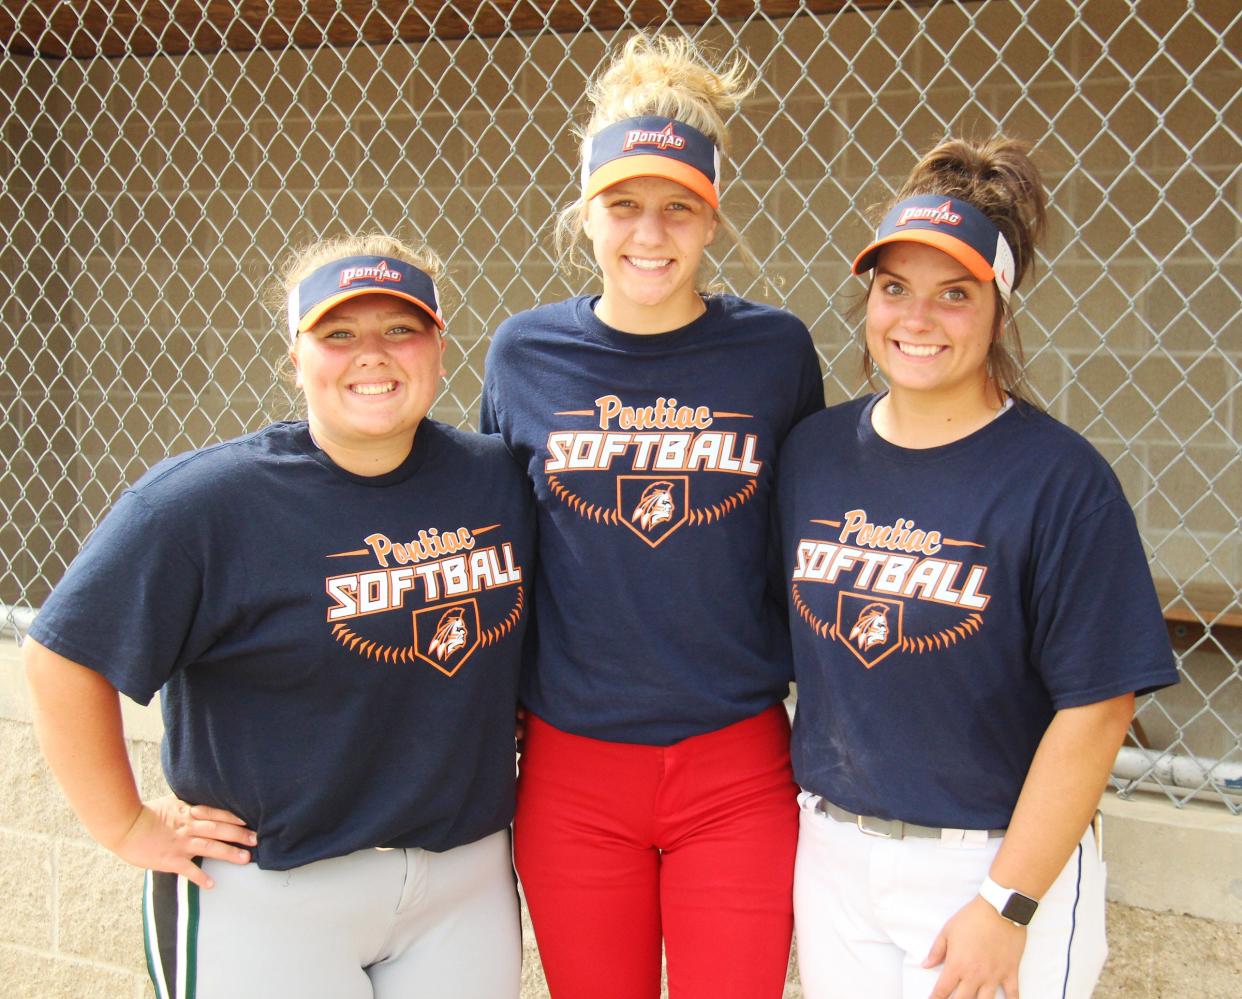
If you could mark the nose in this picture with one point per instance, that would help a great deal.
(917, 315)
(649, 227)
(372, 348)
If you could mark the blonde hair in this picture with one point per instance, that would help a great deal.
(998, 177)
(665, 76)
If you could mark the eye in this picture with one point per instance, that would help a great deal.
(956, 294)
(338, 335)
(892, 288)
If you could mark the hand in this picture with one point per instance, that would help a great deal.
(980, 950)
(519, 729)
(168, 833)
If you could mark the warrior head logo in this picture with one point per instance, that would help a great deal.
(871, 628)
(655, 505)
(445, 637)
(450, 634)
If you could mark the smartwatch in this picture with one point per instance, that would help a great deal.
(1013, 905)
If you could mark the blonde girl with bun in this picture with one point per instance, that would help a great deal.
(972, 614)
(655, 800)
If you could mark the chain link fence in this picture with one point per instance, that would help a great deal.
(159, 157)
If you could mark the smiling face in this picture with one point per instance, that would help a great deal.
(648, 235)
(369, 369)
(930, 326)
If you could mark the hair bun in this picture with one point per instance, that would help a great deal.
(998, 177)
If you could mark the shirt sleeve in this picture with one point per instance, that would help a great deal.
(810, 382)
(489, 418)
(1097, 628)
(127, 604)
(488, 423)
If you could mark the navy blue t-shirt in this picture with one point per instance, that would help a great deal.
(652, 460)
(945, 603)
(338, 654)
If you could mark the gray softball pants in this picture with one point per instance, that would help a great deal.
(376, 924)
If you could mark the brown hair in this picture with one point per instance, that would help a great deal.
(669, 77)
(997, 176)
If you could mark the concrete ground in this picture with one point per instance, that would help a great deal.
(1152, 955)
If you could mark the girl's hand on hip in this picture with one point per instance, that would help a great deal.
(167, 834)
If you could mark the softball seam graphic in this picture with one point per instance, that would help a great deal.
(942, 639)
(408, 653)
(822, 628)
(606, 515)
(920, 643)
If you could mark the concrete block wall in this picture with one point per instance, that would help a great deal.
(70, 912)
(149, 196)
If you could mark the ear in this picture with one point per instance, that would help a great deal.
(443, 373)
(585, 217)
(297, 368)
(711, 229)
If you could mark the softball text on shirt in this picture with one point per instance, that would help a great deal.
(647, 453)
(876, 569)
(444, 571)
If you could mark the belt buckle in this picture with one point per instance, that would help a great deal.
(880, 828)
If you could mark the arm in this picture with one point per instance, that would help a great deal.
(77, 716)
(980, 949)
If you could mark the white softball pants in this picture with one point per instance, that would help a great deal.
(867, 910)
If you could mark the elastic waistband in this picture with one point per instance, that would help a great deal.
(769, 729)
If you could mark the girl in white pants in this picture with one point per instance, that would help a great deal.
(972, 614)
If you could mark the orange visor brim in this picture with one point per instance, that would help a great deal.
(628, 167)
(309, 320)
(963, 253)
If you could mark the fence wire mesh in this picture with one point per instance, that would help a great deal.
(159, 158)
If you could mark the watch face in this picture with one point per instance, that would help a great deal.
(1019, 908)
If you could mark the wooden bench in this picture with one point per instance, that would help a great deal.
(1192, 612)
(1195, 610)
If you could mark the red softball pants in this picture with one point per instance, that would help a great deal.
(621, 847)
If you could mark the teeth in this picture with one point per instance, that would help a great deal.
(918, 350)
(378, 388)
(648, 265)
